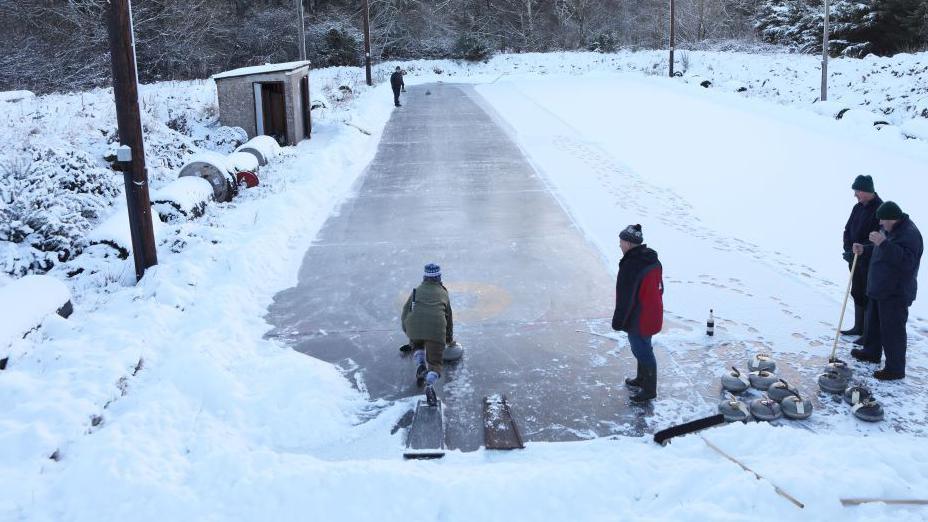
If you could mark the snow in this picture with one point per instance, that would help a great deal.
(183, 194)
(242, 162)
(114, 231)
(164, 400)
(25, 302)
(16, 96)
(262, 69)
(214, 159)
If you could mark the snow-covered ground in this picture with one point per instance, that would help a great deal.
(163, 401)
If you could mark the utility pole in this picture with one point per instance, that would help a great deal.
(367, 42)
(131, 153)
(672, 42)
(302, 46)
(825, 56)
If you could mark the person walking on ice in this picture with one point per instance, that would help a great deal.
(427, 322)
(396, 82)
(639, 307)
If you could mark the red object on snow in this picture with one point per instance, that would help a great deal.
(249, 179)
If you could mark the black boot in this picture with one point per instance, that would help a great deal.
(648, 379)
(858, 328)
(636, 382)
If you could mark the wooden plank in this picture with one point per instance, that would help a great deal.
(426, 437)
(499, 428)
(888, 501)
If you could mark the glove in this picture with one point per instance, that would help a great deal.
(848, 256)
(405, 348)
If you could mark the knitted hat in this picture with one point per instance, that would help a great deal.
(632, 234)
(889, 210)
(432, 270)
(863, 184)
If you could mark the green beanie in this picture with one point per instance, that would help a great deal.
(863, 184)
(889, 210)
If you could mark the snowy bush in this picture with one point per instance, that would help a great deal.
(223, 139)
(472, 48)
(334, 44)
(50, 198)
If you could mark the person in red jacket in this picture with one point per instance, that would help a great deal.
(639, 307)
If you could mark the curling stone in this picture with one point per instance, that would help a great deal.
(762, 379)
(781, 390)
(734, 410)
(868, 410)
(766, 409)
(453, 352)
(795, 407)
(857, 393)
(761, 362)
(735, 381)
(840, 367)
(832, 382)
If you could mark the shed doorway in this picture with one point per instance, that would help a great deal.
(271, 110)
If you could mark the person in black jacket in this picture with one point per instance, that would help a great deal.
(857, 230)
(639, 307)
(891, 287)
(396, 82)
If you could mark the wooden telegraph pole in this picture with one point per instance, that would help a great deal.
(131, 153)
(672, 42)
(825, 56)
(302, 45)
(367, 42)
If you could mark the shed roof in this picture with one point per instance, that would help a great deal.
(262, 69)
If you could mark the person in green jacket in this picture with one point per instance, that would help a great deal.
(427, 322)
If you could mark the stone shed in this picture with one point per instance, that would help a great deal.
(270, 99)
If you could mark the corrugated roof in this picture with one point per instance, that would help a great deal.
(262, 69)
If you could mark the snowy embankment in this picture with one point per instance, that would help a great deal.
(162, 400)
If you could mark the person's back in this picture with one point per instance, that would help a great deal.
(425, 312)
(427, 321)
(396, 79)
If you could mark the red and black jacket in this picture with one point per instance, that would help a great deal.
(639, 289)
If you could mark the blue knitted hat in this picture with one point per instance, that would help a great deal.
(432, 270)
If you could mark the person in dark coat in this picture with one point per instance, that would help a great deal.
(396, 82)
(427, 321)
(857, 230)
(891, 287)
(639, 307)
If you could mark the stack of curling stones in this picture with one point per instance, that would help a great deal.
(836, 380)
(863, 405)
(780, 399)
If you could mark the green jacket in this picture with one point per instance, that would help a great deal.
(429, 318)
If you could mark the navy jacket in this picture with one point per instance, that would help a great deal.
(859, 225)
(894, 265)
(396, 80)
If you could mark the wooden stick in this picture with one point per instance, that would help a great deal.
(776, 488)
(850, 280)
(898, 502)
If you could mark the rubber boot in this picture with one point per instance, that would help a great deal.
(636, 382)
(648, 379)
(858, 328)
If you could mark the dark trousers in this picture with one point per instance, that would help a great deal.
(396, 96)
(859, 281)
(886, 320)
(434, 353)
(642, 349)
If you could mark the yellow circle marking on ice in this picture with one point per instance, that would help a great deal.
(473, 301)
